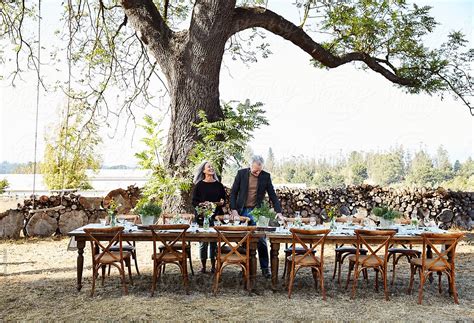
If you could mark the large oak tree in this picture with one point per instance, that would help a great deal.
(128, 42)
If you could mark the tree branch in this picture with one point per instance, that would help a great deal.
(150, 25)
(245, 18)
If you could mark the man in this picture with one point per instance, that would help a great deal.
(248, 192)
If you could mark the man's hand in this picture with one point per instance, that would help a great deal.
(234, 215)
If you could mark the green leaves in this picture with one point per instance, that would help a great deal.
(386, 213)
(71, 150)
(162, 183)
(393, 32)
(223, 141)
(3, 185)
(263, 210)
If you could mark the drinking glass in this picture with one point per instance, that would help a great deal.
(194, 226)
(312, 221)
(236, 221)
(226, 218)
(102, 222)
(349, 220)
(297, 214)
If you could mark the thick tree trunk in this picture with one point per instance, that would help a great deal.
(191, 61)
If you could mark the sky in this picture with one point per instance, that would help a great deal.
(312, 113)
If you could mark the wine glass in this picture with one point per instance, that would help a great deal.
(194, 226)
(312, 221)
(349, 220)
(226, 218)
(236, 221)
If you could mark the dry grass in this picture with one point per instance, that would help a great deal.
(40, 284)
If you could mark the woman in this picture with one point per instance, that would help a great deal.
(207, 188)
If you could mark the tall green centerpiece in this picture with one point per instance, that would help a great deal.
(386, 215)
(263, 214)
(149, 211)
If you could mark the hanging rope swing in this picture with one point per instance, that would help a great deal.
(38, 81)
(63, 164)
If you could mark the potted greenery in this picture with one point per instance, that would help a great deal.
(386, 215)
(263, 214)
(149, 211)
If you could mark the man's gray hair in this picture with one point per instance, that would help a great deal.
(199, 175)
(257, 159)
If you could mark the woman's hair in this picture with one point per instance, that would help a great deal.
(199, 176)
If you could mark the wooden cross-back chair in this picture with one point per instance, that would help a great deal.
(233, 255)
(103, 255)
(442, 262)
(169, 254)
(307, 258)
(188, 217)
(359, 262)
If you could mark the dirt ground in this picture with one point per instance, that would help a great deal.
(39, 282)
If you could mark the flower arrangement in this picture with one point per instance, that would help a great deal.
(205, 210)
(112, 212)
(332, 211)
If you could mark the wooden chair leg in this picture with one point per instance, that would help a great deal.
(412, 277)
(365, 273)
(395, 261)
(453, 287)
(354, 283)
(385, 287)
(351, 267)
(339, 272)
(216, 280)
(376, 279)
(122, 275)
(315, 277)
(103, 273)
(190, 261)
(108, 273)
(323, 289)
(94, 275)
(134, 255)
(153, 283)
(440, 290)
(420, 292)
(292, 279)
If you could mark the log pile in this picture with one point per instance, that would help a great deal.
(451, 209)
(58, 215)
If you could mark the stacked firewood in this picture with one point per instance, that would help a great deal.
(55, 214)
(449, 208)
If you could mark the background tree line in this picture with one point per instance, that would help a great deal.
(395, 167)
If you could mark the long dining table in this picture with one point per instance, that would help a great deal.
(347, 236)
(136, 234)
(276, 238)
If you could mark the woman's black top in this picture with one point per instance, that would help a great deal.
(209, 191)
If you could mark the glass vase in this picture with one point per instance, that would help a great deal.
(113, 219)
(332, 225)
(205, 223)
